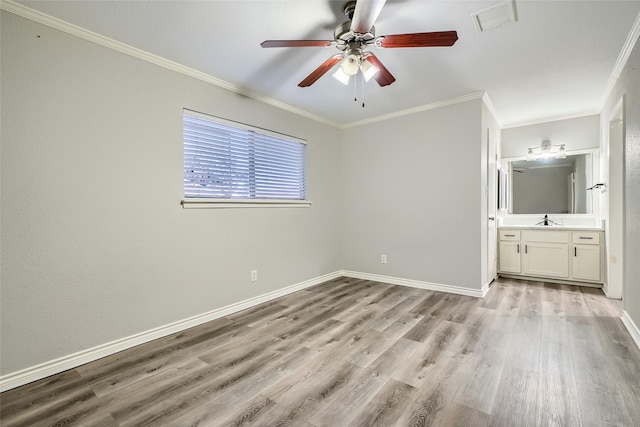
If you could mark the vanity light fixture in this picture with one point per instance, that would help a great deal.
(546, 150)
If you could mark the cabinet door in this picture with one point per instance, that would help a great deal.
(509, 257)
(546, 259)
(586, 262)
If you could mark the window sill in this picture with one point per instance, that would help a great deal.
(233, 203)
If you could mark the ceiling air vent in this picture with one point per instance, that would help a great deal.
(495, 16)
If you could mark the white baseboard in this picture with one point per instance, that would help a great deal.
(416, 284)
(631, 327)
(43, 370)
(52, 367)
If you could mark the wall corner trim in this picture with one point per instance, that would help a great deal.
(485, 289)
(492, 109)
(633, 329)
(415, 283)
(52, 367)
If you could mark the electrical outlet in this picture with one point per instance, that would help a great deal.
(254, 275)
(383, 259)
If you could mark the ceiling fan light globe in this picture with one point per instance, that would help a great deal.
(530, 155)
(341, 76)
(368, 70)
(351, 64)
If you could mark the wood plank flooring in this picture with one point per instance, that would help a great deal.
(359, 353)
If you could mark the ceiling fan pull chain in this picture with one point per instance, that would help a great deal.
(355, 89)
(363, 84)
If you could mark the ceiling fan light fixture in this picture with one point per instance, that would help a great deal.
(341, 76)
(351, 63)
(353, 37)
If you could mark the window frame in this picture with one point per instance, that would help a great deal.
(216, 202)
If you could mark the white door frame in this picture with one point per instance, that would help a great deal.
(615, 224)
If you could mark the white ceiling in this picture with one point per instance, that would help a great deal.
(556, 60)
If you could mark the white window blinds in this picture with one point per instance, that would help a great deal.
(228, 160)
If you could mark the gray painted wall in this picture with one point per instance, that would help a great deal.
(628, 85)
(403, 196)
(95, 244)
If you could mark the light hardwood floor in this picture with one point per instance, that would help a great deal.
(359, 353)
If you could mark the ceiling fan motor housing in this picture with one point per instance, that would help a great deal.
(344, 37)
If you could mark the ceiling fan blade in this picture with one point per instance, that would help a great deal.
(321, 70)
(383, 76)
(365, 15)
(297, 43)
(441, 38)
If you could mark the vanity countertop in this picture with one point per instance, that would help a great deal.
(549, 227)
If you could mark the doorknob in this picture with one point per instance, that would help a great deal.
(492, 218)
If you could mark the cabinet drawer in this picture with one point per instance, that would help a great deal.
(510, 235)
(546, 236)
(586, 237)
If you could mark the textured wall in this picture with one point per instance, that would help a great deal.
(95, 244)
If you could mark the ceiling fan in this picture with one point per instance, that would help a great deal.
(354, 36)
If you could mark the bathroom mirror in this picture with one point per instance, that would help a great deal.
(551, 186)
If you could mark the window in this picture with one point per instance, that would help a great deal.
(233, 163)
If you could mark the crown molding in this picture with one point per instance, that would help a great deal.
(409, 111)
(66, 27)
(58, 24)
(44, 19)
(627, 48)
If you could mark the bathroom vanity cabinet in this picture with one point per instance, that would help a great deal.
(551, 254)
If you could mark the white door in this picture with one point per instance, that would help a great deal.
(492, 202)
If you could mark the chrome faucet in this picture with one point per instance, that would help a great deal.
(547, 221)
